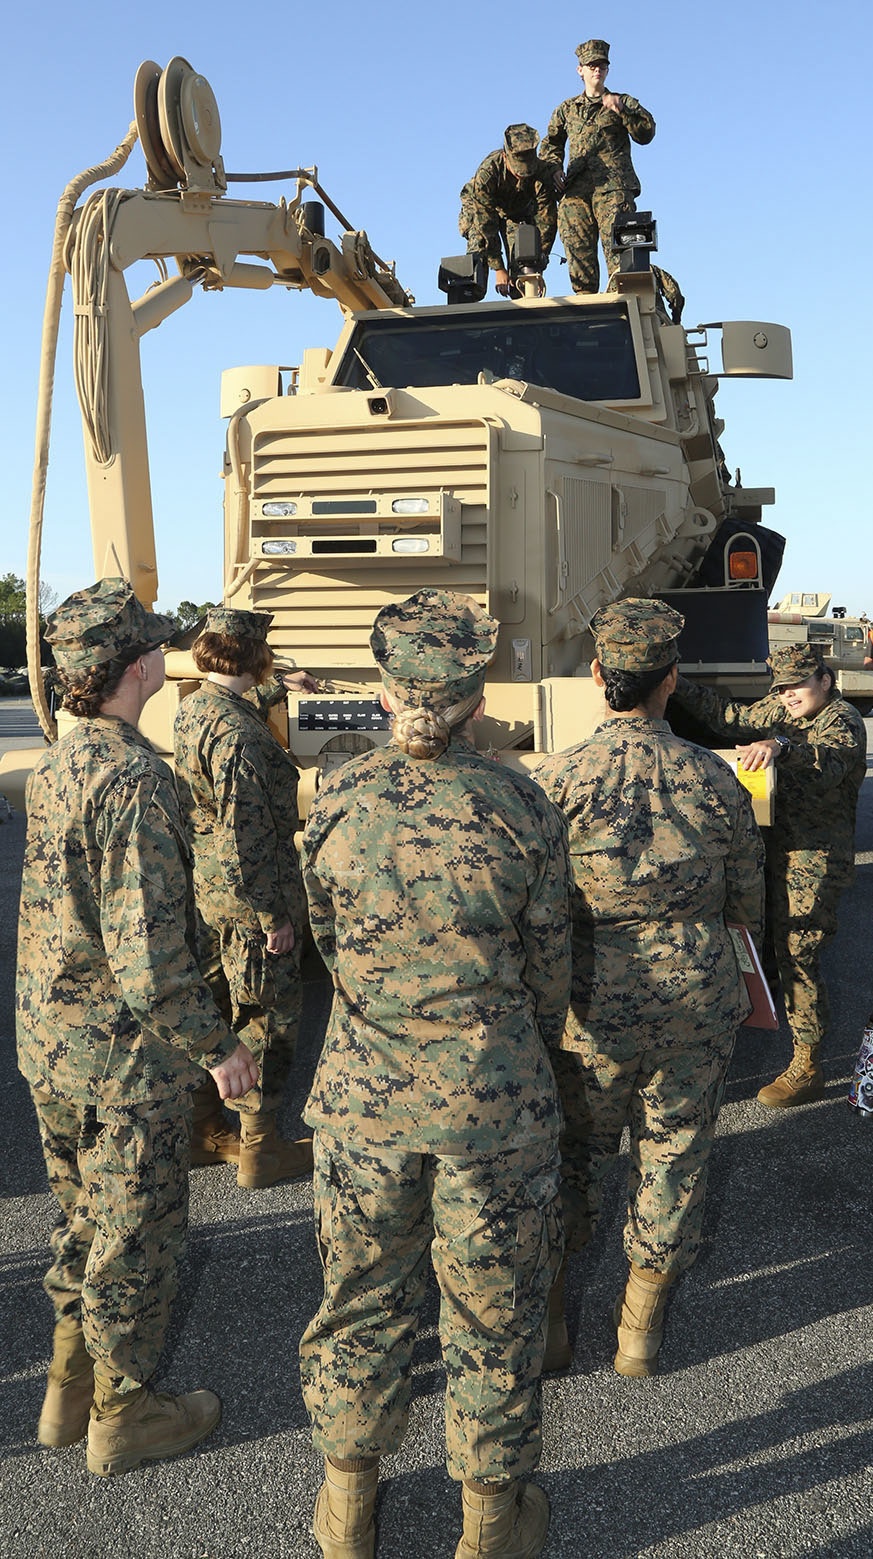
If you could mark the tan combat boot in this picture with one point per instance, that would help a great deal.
(70, 1392)
(801, 1082)
(213, 1140)
(342, 1522)
(265, 1158)
(639, 1321)
(145, 1426)
(558, 1354)
(503, 1520)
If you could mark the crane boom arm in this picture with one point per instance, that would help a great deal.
(206, 235)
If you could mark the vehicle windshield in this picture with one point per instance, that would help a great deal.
(587, 353)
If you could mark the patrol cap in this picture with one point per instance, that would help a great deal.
(795, 663)
(236, 624)
(433, 647)
(520, 147)
(637, 635)
(98, 624)
(595, 49)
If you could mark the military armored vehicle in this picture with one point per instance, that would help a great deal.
(544, 455)
(845, 642)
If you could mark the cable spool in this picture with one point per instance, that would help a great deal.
(179, 127)
(162, 174)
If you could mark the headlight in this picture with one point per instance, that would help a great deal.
(278, 548)
(278, 511)
(410, 506)
(410, 544)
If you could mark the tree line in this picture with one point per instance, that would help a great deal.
(13, 638)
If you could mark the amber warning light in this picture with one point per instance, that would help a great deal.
(743, 565)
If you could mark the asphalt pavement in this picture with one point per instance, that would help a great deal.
(755, 1440)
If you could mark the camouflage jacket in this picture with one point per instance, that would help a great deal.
(664, 849)
(817, 779)
(599, 151)
(494, 196)
(111, 1007)
(238, 793)
(439, 900)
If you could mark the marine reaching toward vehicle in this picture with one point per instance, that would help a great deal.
(510, 186)
(818, 743)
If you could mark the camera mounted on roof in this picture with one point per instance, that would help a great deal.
(463, 278)
(634, 235)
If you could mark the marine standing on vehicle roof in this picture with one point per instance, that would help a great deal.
(238, 792)
(509, 186)
(600, 183)
(665, 851)
(818, 743)
(438, 886)
(115, 1023)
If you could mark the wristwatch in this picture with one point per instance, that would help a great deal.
(783, 744)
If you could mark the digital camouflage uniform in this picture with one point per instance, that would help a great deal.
(238, 792)
(112, 1015)
(664, 850)
(601, 183)
(811, 845)
(438, 895)
(494, 202)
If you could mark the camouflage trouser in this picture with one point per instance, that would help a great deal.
(669, 1097)
(580, 219)
(493, 1229)
(121, 1178)
(259, 994)
(803, 893)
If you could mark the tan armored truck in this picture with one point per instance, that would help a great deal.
(545, 455)
(845, 642)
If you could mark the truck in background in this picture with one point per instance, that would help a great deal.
(545, 455)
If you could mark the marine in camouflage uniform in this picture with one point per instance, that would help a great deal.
(238, 792)
(115, 1025)
(820, 754)
(510, 186)
(664, 850)
(438, 887)
(600, 183)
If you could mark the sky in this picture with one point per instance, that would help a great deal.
(758, 177)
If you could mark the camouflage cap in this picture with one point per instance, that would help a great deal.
(520, 148)
(637, 635)
(595, 49)
(95, 625)
(236, 624)
(795, 663)
(433, 647)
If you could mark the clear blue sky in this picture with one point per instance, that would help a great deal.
(757, 175)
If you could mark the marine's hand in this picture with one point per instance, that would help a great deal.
(501, 282)
(298, 682)
(237, 1074)
(612, 101)
(559, 179)
(281, 941)
(758, 755)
